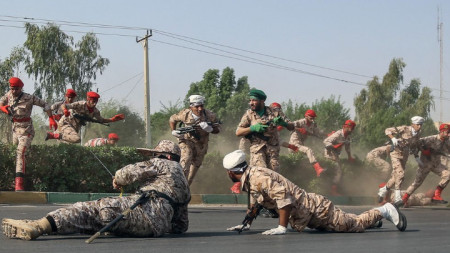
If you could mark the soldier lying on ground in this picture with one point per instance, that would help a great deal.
(165, 213)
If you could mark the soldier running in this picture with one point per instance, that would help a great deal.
(297, 207)
(194, 145)
(165, 212)
(404, 139)
(19, 106)
(377, 158)
(112, 139)
(70, 126)
(333, 147)
(56, 107)
(433, 148)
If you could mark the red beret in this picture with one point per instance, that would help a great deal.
(444, 128)
(113, 136)
(15, 82)
(92, 94)
(350, 123)
(71, 93)
(310, 113)
(275, 105)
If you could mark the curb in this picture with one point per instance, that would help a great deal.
(8, 197)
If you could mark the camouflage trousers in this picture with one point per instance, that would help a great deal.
(244, 144)
(422, 172)
(267, 157)
(334, 158)
(69, 134)
(320, 213)
(192, 155)
(381, 165)
(22, 137)
(398, 172)
(151, 219)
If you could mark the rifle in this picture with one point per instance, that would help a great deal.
(193, 129)
(250, 216)
(145, 196)
(84, 118)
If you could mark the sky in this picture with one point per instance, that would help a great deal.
(315, 49)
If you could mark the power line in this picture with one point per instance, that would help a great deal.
(115, 86)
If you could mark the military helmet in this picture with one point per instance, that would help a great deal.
(166, 146)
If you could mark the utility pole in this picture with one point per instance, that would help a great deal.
(144, 41)
(441, 65)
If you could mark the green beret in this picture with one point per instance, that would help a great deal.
(257, 94)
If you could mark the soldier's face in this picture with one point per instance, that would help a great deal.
(198, 109)
(233, 177)
(255, 104)
(417, 127)
(443, 135)
(112, 141)
(309, 119)
(91, 102)
(70, 100)
(347, 130)
(16, 91)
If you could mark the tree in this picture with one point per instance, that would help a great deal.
(386, 104)
(53, 62)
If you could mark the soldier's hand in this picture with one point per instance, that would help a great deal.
(280, 230)
(115, 184)
(279, 121)
(394, 141)
(5, 109)
(206, 127)
(176, 134)
(117, 117)
(258, 128)
(238, 227)
(66, 112)
(302, 130)
(52, 123)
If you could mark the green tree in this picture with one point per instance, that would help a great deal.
(385, 104)
(56, 63)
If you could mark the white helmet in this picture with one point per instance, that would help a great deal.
(233, 159)
(195, 100)
(417, 120)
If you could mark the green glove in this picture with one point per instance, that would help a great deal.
(279, 121)
(259, 128)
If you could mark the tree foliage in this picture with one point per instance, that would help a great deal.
(385, 104)
(56, 63)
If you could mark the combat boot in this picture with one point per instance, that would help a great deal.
(51, 136)
(318, 169)
(393, 214)
(382, 193)
(26, 229)
(397, 198)
(437, 196)
(19, 184)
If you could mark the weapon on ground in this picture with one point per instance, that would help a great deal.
(250, 216)
(84, 118)
(145, 196)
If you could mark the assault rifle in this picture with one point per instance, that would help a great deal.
(84, 118)
(194, 128)
(250, 216)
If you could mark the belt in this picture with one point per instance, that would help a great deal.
(21, 120)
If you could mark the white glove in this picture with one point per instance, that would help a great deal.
(394, 141)
(280, 230)
(205, 127)
(419, 162)
(236, 228)
(176, 134)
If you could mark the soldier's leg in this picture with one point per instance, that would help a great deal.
(421, 174)
(295, 140)
(383, 166)
(24, 143)
(259, 158)
(273, 158)
(186, 159)
(68, 134)
(309, 153)
(199, 155)
(444, 174)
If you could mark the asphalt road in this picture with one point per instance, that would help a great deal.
(428, 231)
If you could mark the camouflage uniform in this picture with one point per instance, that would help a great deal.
(333, 154)
(23, 130)
(152, 219)
(244, 144)
(69, 127)
(97, 142)
(311, 210)
(399, 156)
(264, 153)
(193, 145)
(377, 158)
(299, 139)
(432, 162)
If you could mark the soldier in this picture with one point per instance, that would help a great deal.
(56, 107)
(70, 125)
(333, 147)
(259, 125)
(113, 138)
(194, 145)
(377, 158)
(303, 128)
(433, 148)
(165, 212)
(404, 139)
(297, 207)
(18, 105)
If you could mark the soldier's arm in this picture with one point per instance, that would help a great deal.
(135, 172)
(173, 120)
(243, 128)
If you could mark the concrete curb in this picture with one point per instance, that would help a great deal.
(71, 197)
